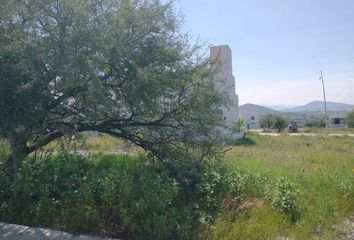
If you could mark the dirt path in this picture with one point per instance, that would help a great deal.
(309, 134)
(346, 229)
(18, 232)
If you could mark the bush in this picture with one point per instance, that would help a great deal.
(349, 119)
(203, 186)
(274, 122)
(120, 196)
(282, 196)
(6, 209)
(213, 186)
(140, 199)
(317, 123)
(48, 187)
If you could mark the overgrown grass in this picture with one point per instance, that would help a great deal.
(323, 130)
(320, 168)
(297, 187)
(125, 196)
(87, 144)
(254, 223)
(103, 143)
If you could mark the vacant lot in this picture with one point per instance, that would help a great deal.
(284, 187)
(321, 169)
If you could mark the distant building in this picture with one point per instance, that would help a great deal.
(221, 58)
(253, 122)
(253, 113)
(337, 119)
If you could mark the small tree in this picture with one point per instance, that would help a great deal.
(280, 123)
(350, 119)
(274, 122)
(120, 67)
(267, 121)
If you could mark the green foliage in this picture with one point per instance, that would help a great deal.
(316, 123)
(140, 199)
(282, 196)
(124, 196)
(5, 180)
(4, 150)
(122, 68)
(319, 166)
(253, 224)
(49, 186)
(349, 119)
(238, 181)
(266, 121)
(280, 123)
(218, 181)
(274, 122)
(121, 196)
(239, 126)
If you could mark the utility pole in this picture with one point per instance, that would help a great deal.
(325, 102)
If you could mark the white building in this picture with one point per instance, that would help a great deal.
(222, 60)
(337, 119)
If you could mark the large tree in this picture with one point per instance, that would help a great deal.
(120, 67)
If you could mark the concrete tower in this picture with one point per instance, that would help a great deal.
(222, 60)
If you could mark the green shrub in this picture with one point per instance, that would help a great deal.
(6, 208)
(47, 187)
(218, 182)
(319, 122)
(140, 200)
(349, 119)
(5, 183)
(282, 196)
(209, 191)
(274, 122)
(119, 195)
(238, 181)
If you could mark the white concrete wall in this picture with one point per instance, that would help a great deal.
(221, 58)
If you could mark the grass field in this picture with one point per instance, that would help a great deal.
(321, 169)
(314, 176)
(329, 130)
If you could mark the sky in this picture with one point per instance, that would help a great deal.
(280, 46)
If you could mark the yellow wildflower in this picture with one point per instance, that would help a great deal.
(87, 206)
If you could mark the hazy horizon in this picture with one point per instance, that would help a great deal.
(281, 107)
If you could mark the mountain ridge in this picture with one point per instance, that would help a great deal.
(249, 110)
(317, 106)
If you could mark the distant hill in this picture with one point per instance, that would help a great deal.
(317, 106)
(278, 107)
(248, 110)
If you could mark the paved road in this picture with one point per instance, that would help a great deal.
(18, 232)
